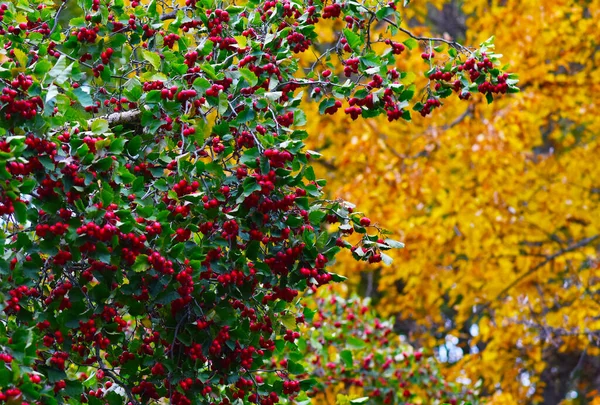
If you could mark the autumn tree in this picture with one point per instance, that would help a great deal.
(498, 205)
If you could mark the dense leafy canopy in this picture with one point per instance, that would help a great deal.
(160, 217)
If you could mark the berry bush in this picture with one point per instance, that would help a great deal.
(355, 357)
(159, 213)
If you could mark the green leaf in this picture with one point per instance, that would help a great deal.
(408, 93)
(134, 145)
(386, 259)
(61, 71)
(104, 164)
(384, 12)
(100, 126)
(152, 9)
(325, 104)
(411, 43)
(360, 400)
(337, 278)
(295, 368)
(141, 264)
(246, 115)
(209, 70)
(316, 217)
(51, 93)
(354, 40)
(133, 89)
(346, 356)
(20, 211)
(249, 76)
(394, 244)
(307, 384)
(117, 145)
(151, 58)
(83, 96)
(106, 196)
(353, 342)
(289, 321)
(42, 67)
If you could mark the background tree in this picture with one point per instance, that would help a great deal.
(498, 205)
(159, 213)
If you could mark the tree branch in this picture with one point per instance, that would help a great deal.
(453, 44)
(575, 246)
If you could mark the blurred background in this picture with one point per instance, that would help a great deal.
(499, 205)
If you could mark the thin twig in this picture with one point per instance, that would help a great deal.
(56, 16)
(551, 258)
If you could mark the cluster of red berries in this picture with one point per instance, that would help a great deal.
(16, 294)
(58, 359)
(427, 55)
(245, 139)
(332, 11)
(215, 24)
(441, 75)
(278, 158)
(183, 187)
(488, 87)
(34, 26)
(158, 369)
(214, 90)
(351, 66)
(187, 282)
(181, 234)
(26, 108)
(3, 8)
(86, 34)
(106, 55)
(230, 229)
(6, 358)
(429, 105)
(132, 22)
(334, 108)
(97, 70)
(103, 233)
(188, 25)
(161, 264)
(394, 113)
(153, 85)
(57, 229)
(286, 120)
(354, 112)
(217, 344)
(291, 387)
(168, 93)
(397, 47)
(298, 42)
(146, 389)
(185, 95)
(62, 257)
(475, 68)
(10, 393)
(291, 335)
(169, 40)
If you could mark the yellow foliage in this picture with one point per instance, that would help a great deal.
(498, 205)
